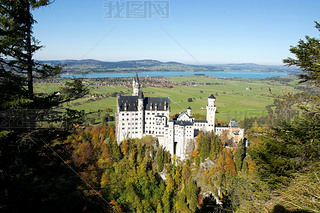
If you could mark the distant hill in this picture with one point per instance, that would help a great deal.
(94, 66)
(255, 67)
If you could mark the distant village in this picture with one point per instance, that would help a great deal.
(125, 82)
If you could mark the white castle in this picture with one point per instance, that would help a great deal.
(138, 116)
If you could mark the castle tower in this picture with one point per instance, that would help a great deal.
(211, 112)
(140, 100)
(135, 86)
(189, 111)
(140, 114)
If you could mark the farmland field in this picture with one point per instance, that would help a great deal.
(235, 98)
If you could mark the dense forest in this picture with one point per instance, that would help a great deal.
(50, 162)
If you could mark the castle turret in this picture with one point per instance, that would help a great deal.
(135, 86)
(211, 112)
(189, 111)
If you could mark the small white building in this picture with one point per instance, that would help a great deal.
(138, 116)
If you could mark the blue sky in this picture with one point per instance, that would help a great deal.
(196, 32)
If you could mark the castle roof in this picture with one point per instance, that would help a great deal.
(200, 121)
(151, 102)
(212, 96)
(189, 107)
(181, 114)
(183, 123)
(130, 103)
(234, 124)
(136, 79)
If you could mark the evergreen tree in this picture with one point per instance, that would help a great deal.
(192, 195)
(18, 44)
(244, 166)
(239, 155)
(215, 148)
(308, 58)
(204, 146)
(30, 160)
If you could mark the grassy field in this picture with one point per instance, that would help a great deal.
(233, 101)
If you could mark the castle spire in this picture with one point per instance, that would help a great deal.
(135, 85)
(136, 79)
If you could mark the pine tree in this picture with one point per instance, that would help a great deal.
(204, 145)
(308, 58)
(239, 156)
(18, 44)
(29, 161)
(192, 195)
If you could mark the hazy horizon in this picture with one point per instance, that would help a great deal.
(202, 32)
(147, 59)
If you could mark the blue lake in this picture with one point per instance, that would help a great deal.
(218, 74)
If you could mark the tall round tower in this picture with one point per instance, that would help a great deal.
(211, 111)
(189, 111)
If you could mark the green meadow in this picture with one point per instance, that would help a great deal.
(233, 100)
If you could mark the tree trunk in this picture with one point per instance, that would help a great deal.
(29, 51)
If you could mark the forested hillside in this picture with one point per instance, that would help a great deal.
(94, 66)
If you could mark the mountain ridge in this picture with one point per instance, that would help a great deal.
(86, 66)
